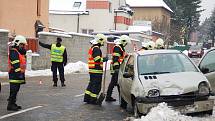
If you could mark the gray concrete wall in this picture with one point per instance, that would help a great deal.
(3, 50)
(77, 49)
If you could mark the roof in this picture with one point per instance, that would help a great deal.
(148, 3)
(149, 52)
(67, 6)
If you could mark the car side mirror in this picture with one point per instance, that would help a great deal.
(204, 70)
(127, 75)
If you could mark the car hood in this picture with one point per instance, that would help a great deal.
(173, 83)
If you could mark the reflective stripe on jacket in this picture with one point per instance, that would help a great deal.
(92, 62)
(120, 55)
(57, 53)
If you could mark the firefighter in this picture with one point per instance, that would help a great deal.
(159, 44)
(58, 60)
(95, 64)
(144, 46)
(17, 66)
(117, 58)
(151, 45)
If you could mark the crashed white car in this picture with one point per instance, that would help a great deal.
(150, 77)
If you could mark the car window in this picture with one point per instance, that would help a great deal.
(164, 63)
(130, 65)
(209, 61)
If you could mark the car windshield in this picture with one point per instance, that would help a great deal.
(195, 47)
(164, 63)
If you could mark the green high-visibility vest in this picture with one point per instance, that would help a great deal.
(57, 53)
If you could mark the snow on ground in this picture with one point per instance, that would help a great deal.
(78, 67)
(164, 113)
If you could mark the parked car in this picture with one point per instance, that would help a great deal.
(207, 66)
(150, 77)
(196, 51)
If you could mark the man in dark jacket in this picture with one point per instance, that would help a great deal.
(95, 64)
(117, 58)
(58, 59)
(17, 66)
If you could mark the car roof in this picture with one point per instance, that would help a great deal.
(149, 52)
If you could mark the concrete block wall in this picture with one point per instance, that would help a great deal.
(77, 49)
(3, 50)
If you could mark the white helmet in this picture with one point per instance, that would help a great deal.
(124, 39)
(117, 41)
(151, 45)
(159, 44)
(145, 44)
(19, 39)
(99, 39)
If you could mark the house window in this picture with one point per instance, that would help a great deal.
(77, 5)
(38, 7)
(90, 31)
(84, 31)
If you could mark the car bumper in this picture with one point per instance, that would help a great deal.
(182, 106)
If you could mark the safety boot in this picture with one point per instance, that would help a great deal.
(55, 85)
(63, 84)
(110, 99)
(19, 107)
(12, 107)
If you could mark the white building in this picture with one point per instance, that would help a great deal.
(87, 16)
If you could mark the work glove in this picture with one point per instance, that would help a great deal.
(116, 71)
(64, 64)
(105, 59)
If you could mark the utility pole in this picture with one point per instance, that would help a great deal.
(78, 22)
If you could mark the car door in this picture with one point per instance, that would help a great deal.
(127, 82)
(207, 66)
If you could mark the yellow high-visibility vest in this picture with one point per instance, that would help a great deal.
(57, 53)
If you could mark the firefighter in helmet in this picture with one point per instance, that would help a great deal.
(17, 66)
(117, 58)
(159, 44)
(95, 64)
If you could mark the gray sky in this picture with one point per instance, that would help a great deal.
(208, 5)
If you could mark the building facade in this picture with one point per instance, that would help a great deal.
(155, 11)
(92, 15)
(24, 16)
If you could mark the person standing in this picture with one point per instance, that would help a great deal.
(17, 66)
(58, 60)
(117, 58)
(95, 64)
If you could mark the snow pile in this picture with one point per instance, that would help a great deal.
(70, 68)
(78, 67)
(164, 113)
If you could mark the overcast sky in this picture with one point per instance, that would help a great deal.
(208, 5)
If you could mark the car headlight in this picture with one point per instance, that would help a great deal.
(204, 89)
(153, 93)
(198, 52)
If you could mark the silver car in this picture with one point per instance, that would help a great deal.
(150, 77)
(207, 66)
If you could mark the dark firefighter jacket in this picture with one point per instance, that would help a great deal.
(95, 60)
(117, 57)
(15, 73)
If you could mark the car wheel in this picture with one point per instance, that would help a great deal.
(123, 103)
(137, 114)
(209, 112)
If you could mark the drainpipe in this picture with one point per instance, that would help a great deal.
(78, 23)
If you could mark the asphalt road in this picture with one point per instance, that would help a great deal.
(42, 102)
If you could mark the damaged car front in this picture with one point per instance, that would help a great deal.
(171, 77)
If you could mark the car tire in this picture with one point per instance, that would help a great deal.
(209, 112)
(123, 103)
